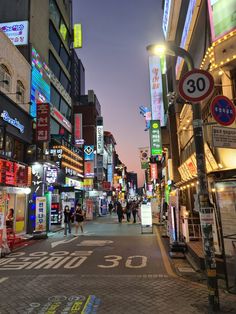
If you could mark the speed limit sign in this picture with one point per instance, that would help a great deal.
(196, 85)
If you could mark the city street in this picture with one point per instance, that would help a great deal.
(112, 268)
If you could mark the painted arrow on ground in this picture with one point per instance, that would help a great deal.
(54, 244)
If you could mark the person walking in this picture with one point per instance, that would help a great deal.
(134, 211)
(67, 220)
(110, 207)
(119, 211)
(79, 219)
(128, 211)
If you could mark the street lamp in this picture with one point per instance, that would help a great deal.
(205, 206)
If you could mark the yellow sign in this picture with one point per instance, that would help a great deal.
(77, 36)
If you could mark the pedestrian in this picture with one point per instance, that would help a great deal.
(134, 211)
(128, 211)
(119, 211)
(67, 220)
(110, 207)
(10, 218)
(79, 219)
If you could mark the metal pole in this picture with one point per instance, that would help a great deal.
(206, 208)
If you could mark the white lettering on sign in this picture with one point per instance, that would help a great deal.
(13, 121)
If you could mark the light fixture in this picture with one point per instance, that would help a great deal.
(220, 166)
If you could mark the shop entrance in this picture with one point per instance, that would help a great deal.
(18, 203)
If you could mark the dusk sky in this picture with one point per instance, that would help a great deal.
(115, 36)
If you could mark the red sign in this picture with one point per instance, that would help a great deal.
(78, 128)
(43, 122)
(153, 170)
(223, 110)
(196, 85)
(89, 169)
(61, 119)
(106, 186)
(14, 174)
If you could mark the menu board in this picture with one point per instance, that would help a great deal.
(14, 174)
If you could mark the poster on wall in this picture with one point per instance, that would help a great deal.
(3, 236)
(41, 214)
(89, 209)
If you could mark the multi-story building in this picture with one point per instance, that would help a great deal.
(214, 51)
(16, 132)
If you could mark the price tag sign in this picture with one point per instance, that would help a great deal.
(196, 85)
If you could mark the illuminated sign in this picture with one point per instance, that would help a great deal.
(43, 122)
(13, 121)
(166, 17)
(185, 32)
(89, 169)
(15, 174)
(88, 184)
(71, 182)
(153, 171)
(78, 128)
(157, 106)
(17, 32)
(77, 36)
(61, 119)
(155, 138)
(100, 143)
(88, 152)
(51, 174)
(40, 84)
(222, 17)
(40, 215)
(110, 173)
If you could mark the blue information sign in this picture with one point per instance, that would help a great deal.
(223, 110)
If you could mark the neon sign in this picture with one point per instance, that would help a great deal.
(13, 122)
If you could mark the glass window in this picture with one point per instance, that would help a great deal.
(65, 82)
(5, 78)
(9, 146)
(55, 97)
(65, 109)
(54, 13)
(54, 65)
(54, 38)
(18, 151)
(64, 57)
(20, 90)
(55, 127)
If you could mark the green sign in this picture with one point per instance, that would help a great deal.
(77, 36)
(155, 138)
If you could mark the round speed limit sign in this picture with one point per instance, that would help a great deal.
(196, 85)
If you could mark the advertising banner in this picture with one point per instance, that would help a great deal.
(17, 32)
(222, 17)
(43, 122)
(89, 209)
(155, 138)
(41, 214)
(144, 157)
(153, 171)
(88, 152)
(78, 36)
(146, 214)
(156, 89)
(89, 169)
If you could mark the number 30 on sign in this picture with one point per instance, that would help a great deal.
(196, 85)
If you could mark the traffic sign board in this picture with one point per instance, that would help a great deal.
(223, 110)
(196, 85)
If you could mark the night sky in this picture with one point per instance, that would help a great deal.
(115, 36)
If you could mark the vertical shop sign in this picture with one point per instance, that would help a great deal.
(78, 128)
(41, 214)
(100, 144)
(43, 122)
(78, 36)
(88, 152)
(157, 105)
(155, 138)
(153, 170)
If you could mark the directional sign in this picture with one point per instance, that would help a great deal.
(196, 85)
(223, 110)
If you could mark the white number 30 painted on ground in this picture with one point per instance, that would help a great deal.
(115, 260)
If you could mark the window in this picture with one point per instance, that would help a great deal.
(54, 38)
(55, 127)
(20, 90)
(55, 97)
(65, 82)
(54, 13)
(5, 78)
(65, 109)
(65, 57)
(54, 66)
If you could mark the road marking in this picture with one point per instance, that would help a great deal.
(94, 243)
(3, 279)
(54, 244)
(165, 257)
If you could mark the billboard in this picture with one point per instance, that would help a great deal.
(156, 89)
(78, 36)
(40, 85)
(222, 17)
(17, 32)
(78, 128)
(155, 138)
